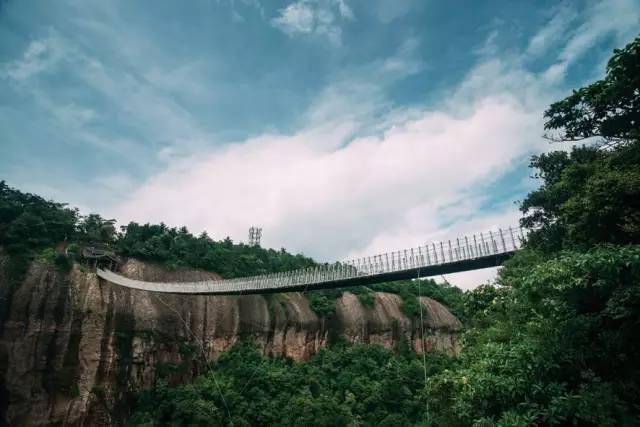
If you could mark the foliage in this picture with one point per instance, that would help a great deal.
(323, 302)
(556, 346)
(179, 248)
(340, 386)
(29, 222)
(608, 108)
(57, 259)
(592, 194)
(93, 228)
(588, 196)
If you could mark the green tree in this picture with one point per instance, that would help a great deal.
(608, 108)
(591, 195)
(94, 228)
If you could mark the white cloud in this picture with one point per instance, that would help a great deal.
(39, 56)
(619, 19)
(296, 18)
(314, 17)
(328, 194)
(553, 32)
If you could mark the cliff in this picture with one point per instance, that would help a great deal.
(73, 348)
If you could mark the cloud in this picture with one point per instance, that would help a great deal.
(331, 194)
(388, 11)
(618, 19)
(553, 31)
(314, 17)
(39, 56)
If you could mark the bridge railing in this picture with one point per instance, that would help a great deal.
(437, 253)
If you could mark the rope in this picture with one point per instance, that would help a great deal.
(204, 354)
(424, 353)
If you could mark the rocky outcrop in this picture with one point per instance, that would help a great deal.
(73, 348)
(386, 325)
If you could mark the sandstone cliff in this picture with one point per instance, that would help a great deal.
(73, 347)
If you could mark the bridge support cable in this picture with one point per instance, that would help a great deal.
(461, 254)
(424, 352)
(198, 340)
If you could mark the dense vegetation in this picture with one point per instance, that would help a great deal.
(179, 248)
(343, 385)
(554, 342)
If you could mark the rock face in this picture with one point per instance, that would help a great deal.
(73, 348)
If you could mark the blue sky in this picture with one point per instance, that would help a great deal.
(342, 127)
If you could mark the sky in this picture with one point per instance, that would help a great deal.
(343, 128)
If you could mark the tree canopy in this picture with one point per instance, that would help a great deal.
(608, 108)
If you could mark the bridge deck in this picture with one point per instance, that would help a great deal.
(462, 254)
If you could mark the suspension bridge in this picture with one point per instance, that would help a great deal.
(471, 252)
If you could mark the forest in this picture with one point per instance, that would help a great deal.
(553, 342)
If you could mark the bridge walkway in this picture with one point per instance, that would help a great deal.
(462, 254)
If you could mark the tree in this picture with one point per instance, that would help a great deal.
(608, 108)
(588, 196)
(94, 228)
(591, 195)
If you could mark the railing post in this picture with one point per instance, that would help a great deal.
(513, 239)
(466, 242)
(504, 245)
(442, 260)
(450, 255)
(493, 242)
(475, 247)
(426, 249)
